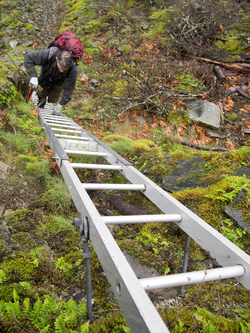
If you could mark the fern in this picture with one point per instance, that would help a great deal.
(35, 313)
(50, 305)
(15, 295)
(70, 319)
(60, 324)
(81, 310)
(68, 315)
(2, 276)
(245, 329)
(43, 322)
(84, 328)
(13, 309)
(2, 306)
(26, 285)
(26, 305)
(70, 305)
(45, 329)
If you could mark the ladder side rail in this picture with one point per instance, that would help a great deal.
(59, 153)
(219, 247)
(139, 311)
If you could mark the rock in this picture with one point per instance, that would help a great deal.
(1, 210)
(3, 170)
(240, 196)
(96, 43)
(141, 121)
(213, 134)
(13, 43)
(243, 171)
(141, 271)
(187, 174)
(83, 77)
(8, 212)
(8, 245)
(205, 112)
(238, 217)
(76, 294)
(94, 82)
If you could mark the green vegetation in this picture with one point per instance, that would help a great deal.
(137, 106)
(44, 315)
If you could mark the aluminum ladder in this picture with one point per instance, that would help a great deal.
(66, 137)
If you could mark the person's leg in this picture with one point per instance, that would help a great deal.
(54, 93)
(42, 93)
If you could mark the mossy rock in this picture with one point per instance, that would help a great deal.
(21, 268)
(20, 219)
(29, 27)
(8, 91)
(119, 143)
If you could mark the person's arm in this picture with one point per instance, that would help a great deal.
(69, 86)
(35, 58)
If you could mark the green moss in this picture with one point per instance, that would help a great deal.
(119, 143)
(233, 46)
(113, 324)
(20, 220)
(231, 116)
(29, 27)
(189, 82)
(19, 269)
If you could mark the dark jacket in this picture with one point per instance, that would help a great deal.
(50, 73)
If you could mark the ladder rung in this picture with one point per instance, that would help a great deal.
(129, 219)
(66, 131)
(57, 122)
(65, 136)
(61, 125)
(85, 152)
(95, 166)
(55, 118)
(95, 186)
(184, 279)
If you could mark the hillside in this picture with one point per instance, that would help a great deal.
(146, 67)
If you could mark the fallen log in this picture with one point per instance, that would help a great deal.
(122, 206)
(223, 57)
(239, 67)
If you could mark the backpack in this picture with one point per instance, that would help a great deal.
(68, 41)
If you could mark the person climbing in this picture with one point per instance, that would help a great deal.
(59, 74)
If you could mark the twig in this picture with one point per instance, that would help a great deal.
(189, 144)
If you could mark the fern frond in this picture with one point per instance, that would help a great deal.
(26, 305)
(2, 306)
(35, 313)
(84, 328)
(45, 329)
(60, 324)
(70, 305)
(70, 319)
(13, 309)
(50, 305)
(81, 309)
(15, 295)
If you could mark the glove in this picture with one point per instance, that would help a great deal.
(34, 82)
(57, 110)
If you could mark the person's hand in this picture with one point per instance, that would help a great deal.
(34, 83)
(57, 109)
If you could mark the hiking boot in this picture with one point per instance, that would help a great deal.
(41, 103)
(57, 113)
